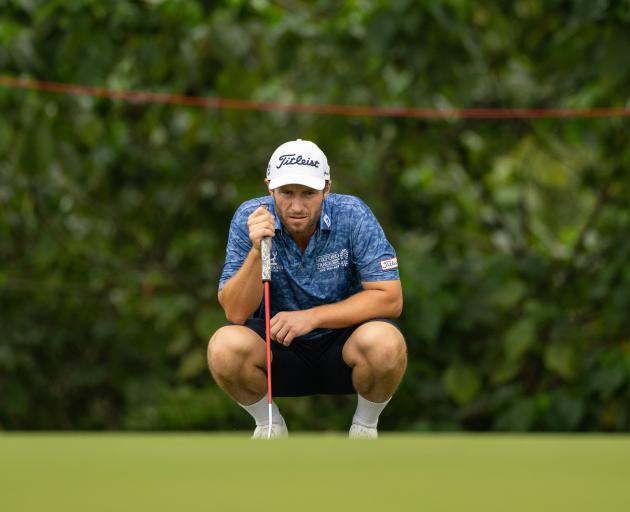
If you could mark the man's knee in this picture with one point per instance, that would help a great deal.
(380, 344)
(230, 347)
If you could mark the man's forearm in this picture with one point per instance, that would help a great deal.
(242, 294)
(358, 308)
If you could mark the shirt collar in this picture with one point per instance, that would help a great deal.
(325, 222)
(272, 209)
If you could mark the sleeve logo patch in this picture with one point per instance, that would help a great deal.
(389, 264)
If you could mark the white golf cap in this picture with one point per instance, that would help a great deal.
(298, 162)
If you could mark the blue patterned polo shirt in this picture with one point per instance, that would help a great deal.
(348, 247)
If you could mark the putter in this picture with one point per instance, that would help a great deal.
(265, 252)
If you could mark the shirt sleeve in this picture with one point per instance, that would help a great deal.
(373, 255)
(238, 246)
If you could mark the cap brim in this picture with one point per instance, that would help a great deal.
(307, 181)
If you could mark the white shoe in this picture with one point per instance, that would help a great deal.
(362, 432)
(278, 430)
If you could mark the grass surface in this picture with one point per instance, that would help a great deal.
(145, 472)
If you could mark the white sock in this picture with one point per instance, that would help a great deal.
(260, 412)
(367, 412)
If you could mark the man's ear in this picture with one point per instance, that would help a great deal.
(327, 188)
(266, 181)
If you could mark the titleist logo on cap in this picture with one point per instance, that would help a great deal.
(291, 159)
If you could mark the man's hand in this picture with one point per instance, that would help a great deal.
(288, 325)
(260, 224)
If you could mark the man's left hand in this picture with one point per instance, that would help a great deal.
(288, 325)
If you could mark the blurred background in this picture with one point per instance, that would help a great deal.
(512, 234)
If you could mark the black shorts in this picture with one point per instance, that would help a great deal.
(310, 367)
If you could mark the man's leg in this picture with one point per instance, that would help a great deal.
(238, 362)
(377, 353)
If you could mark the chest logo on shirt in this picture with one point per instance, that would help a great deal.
(389, 264)
(332, 261)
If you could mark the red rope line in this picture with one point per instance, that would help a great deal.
(339, 110)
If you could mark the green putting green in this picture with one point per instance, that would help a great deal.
(323, 472)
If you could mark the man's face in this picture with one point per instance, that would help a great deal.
(299, 208)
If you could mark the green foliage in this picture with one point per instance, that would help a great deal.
(512, 235)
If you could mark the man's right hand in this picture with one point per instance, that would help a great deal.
(261, 224)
